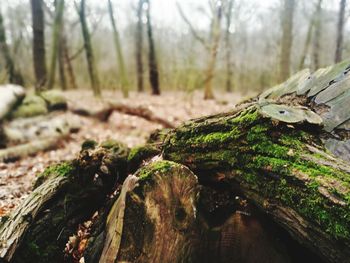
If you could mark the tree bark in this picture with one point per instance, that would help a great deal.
(287, 38)
(340, 32)
(228, 42)
(317, 35)
(14, 75)
(56, 39)
(152, 60)
(38, 44)
(65, 195)
(214, 48)
(90, 59)
(121, 65)
(139, 47)
(68, 62)
(307, 43)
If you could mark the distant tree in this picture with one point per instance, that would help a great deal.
(95, 85)
(228, 45)
(152, 60)
(307, 42)
(121, 64)
(340, 32)
(68, 62)
(14, 75)
(39, 53)
(212, 47)
(139, 47)
(287, 38)
(61, 61)
(56, 39)
(317, 35)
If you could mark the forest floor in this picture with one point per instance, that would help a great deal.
(16, 178)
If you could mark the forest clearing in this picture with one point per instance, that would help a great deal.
(174, 131)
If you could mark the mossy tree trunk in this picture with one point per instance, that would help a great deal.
(207, 191)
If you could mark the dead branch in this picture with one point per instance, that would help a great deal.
(139, 111)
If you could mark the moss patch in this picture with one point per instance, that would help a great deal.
(267, 156)
(31, 106)
(61, 169)
(54, 99)
(146, 172)
(140, 154)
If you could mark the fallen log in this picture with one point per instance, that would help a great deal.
(280, 157)
(65, 195)
(28, 136)
(25, 130)
(17, 152)
(139, 111)
(10, 96)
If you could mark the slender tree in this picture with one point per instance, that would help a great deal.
(95, 85)
(340, 32)
(307, 42)
(139, 47)
(61, 62)
(211, 47)
(215, 40)
(228, 44)
(68, 62)
(39, 53)
(14, 75)
(59, 8)
(121, 64)
(287, 38)
(152, 60)
(317, 35)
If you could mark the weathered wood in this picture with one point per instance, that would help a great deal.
(139, 111)
(151, 219)
(270, 161)
(66, 195)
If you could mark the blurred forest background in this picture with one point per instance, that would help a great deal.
(158, 45)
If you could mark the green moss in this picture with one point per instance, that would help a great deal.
(112, 144)
(54, 99)
(146, 172)
(88, 144)
(266, 157)
(61, 169)
(140, 154)
(31, 106)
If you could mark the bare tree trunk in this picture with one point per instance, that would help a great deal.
(13, 75)
(317, 36)
(95, 85)
(340, 32)
(38, 44)
(121, 64)
(215, 39)
(61, 67)
(228, 41)
(287, 38)
(56, 39)
(67, 60)
(152, 60)
(139, 47)
(307, 43)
